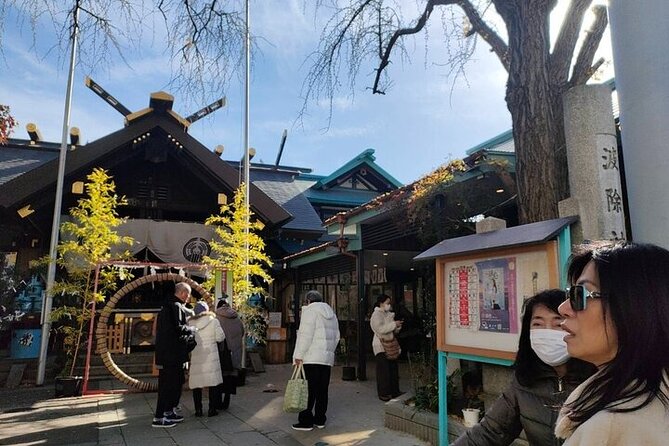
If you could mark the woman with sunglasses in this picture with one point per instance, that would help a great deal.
(616, 317)
(544, 376)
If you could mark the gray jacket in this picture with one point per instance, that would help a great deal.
(533, 409)
(234, 333)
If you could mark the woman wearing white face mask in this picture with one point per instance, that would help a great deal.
(544, 376)
(385, 327)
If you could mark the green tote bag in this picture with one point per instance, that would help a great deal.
(297, 391)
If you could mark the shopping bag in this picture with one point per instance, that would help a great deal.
(297, 391)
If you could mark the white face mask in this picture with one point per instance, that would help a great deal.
(386, 307)
(549, 345)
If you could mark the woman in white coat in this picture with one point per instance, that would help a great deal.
(205, 366)
(385, 327)
(315, 347)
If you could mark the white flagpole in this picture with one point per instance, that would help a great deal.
(51, 274)
(247, 158)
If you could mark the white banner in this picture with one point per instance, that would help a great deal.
(172, 242)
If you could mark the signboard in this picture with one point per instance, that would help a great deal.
(274, 319)
(480, 297)
(223, 285)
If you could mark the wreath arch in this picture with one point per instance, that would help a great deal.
(101, 328)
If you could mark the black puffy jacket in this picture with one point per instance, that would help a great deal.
(533, 409)
(171, 326)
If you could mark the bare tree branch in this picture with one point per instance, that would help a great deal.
(563, 51)
(206, 40)
(480, 27)
(351, 38)
(385, 57)
(583, 68)
(104, 26)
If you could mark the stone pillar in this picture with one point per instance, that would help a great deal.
(594, 167)
(640, 38)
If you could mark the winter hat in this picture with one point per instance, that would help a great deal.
(201, 307)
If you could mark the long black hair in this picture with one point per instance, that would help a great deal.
(634, 282)
(528, 366)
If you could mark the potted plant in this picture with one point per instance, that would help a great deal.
(88, 238)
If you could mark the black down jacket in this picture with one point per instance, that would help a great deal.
(170, 347)
(533, 409)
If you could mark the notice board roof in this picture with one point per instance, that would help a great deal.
(502, 238)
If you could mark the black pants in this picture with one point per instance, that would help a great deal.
(214, 396)
(170, 381)
(318, 378)
(387, 376)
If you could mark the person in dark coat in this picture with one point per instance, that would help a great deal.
(231, 361)
(544, 376)
(172, 330)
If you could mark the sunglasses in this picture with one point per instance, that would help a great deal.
(578, 296)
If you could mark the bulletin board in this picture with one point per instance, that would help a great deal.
(480, 297)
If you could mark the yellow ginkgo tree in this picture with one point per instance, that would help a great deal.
(88, 239)
(243, 253)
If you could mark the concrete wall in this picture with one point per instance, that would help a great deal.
(640, 38)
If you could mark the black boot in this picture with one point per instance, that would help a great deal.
(226, 401)
(197, 402)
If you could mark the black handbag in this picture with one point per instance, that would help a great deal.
(189, 341)
(225, 355)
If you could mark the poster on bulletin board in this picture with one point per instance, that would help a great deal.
(482, 296)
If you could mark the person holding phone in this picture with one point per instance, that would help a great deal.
(385, 327)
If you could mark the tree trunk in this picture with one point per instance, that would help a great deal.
(536, 113)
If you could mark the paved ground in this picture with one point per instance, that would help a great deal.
(255, 418)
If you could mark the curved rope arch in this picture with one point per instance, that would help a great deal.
(101, 329)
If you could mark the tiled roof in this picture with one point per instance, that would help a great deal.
(349, 197)
(16, 160)
(366, 158)
(26, 179)
(503, 238)
(289, 194)
(382, 200)
(299, 246)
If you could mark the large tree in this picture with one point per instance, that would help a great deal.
(539, 71)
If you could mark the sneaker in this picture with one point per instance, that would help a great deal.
(320, 426)
(163, 422)
(174, 418)
(177, 410)
(303, 427)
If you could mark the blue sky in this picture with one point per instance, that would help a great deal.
(424, 120)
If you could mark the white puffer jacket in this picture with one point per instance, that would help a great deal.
(384, 327)
(318, 335)
(205, 367)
